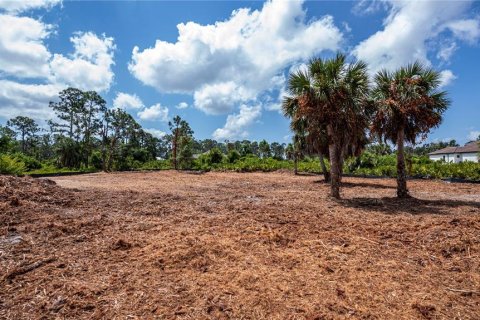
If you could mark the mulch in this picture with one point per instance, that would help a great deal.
(171, 245)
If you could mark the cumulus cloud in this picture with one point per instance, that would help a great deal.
(17, 6)
(234, 61)
(27, 99)
(237, 124)
(31, 76)
(447, 77)
(410, 29)
(127, 101)
(22, 51)
(473, 135)
(89, 67)
(156, 132)
(155, 112)
(182, 105)
(221, 97)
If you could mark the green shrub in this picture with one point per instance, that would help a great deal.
(157, 165)
(96, 160)
(233, 156)
(11, 165)
(30, 162)
(426, 168)
(215, 156)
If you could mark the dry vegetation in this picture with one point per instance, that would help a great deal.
(173, 245)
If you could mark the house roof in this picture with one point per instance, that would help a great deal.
(472, 146)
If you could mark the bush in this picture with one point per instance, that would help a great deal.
(96, 160)
(233, 156)
(11, 165)
(425, 168)
(251, 163)
(30, 162)
(157, 165)
(215, 156)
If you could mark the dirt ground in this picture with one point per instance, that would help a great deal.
(168, 245)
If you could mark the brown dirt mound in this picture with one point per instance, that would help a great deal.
(15, 191)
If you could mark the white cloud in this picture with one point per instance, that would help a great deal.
(447, 77)
(468, 30)
(127, 101)
(182, 105)
(27, 99)
(473, 135)
(447, 50)
(237, 124)
(17, 6)
(24, 55)
(156, 132)
(155, 112)
(363, 7)
(221, 97)
(89, 67)
(234, 61)
(22, 51)
(409, 30)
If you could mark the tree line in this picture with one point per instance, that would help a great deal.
(86, 134)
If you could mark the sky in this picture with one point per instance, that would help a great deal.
(223, 65)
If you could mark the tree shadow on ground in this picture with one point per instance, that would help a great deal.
(360, 184)
(412, 205)
(366, 185)
(308, 174)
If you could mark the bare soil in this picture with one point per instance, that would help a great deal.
(177, 245)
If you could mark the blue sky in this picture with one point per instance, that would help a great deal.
(222, 65)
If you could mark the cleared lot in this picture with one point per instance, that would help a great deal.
(174, 245)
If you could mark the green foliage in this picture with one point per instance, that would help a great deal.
(264, 149)
(127, 163)
(233, 156)
(422, 167)
(185, 154)
(49, 168)
(68, 153)
(252, 163)
(7, 140)
(215, 156)
(311, 165)
(157, 165)
(11, 165)
(96, 160)
(209, 160)
(30, 162)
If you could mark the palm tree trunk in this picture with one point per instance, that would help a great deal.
(402, 191)
(326, 174)
(334, 153)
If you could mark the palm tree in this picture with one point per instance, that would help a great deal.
(332, 94)
(408, 105)
(308, 136)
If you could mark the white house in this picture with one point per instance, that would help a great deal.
(468, 152)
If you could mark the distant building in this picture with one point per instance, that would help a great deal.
(468, 152)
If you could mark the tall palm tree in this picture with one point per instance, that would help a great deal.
(332, 94)
(408, 105)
